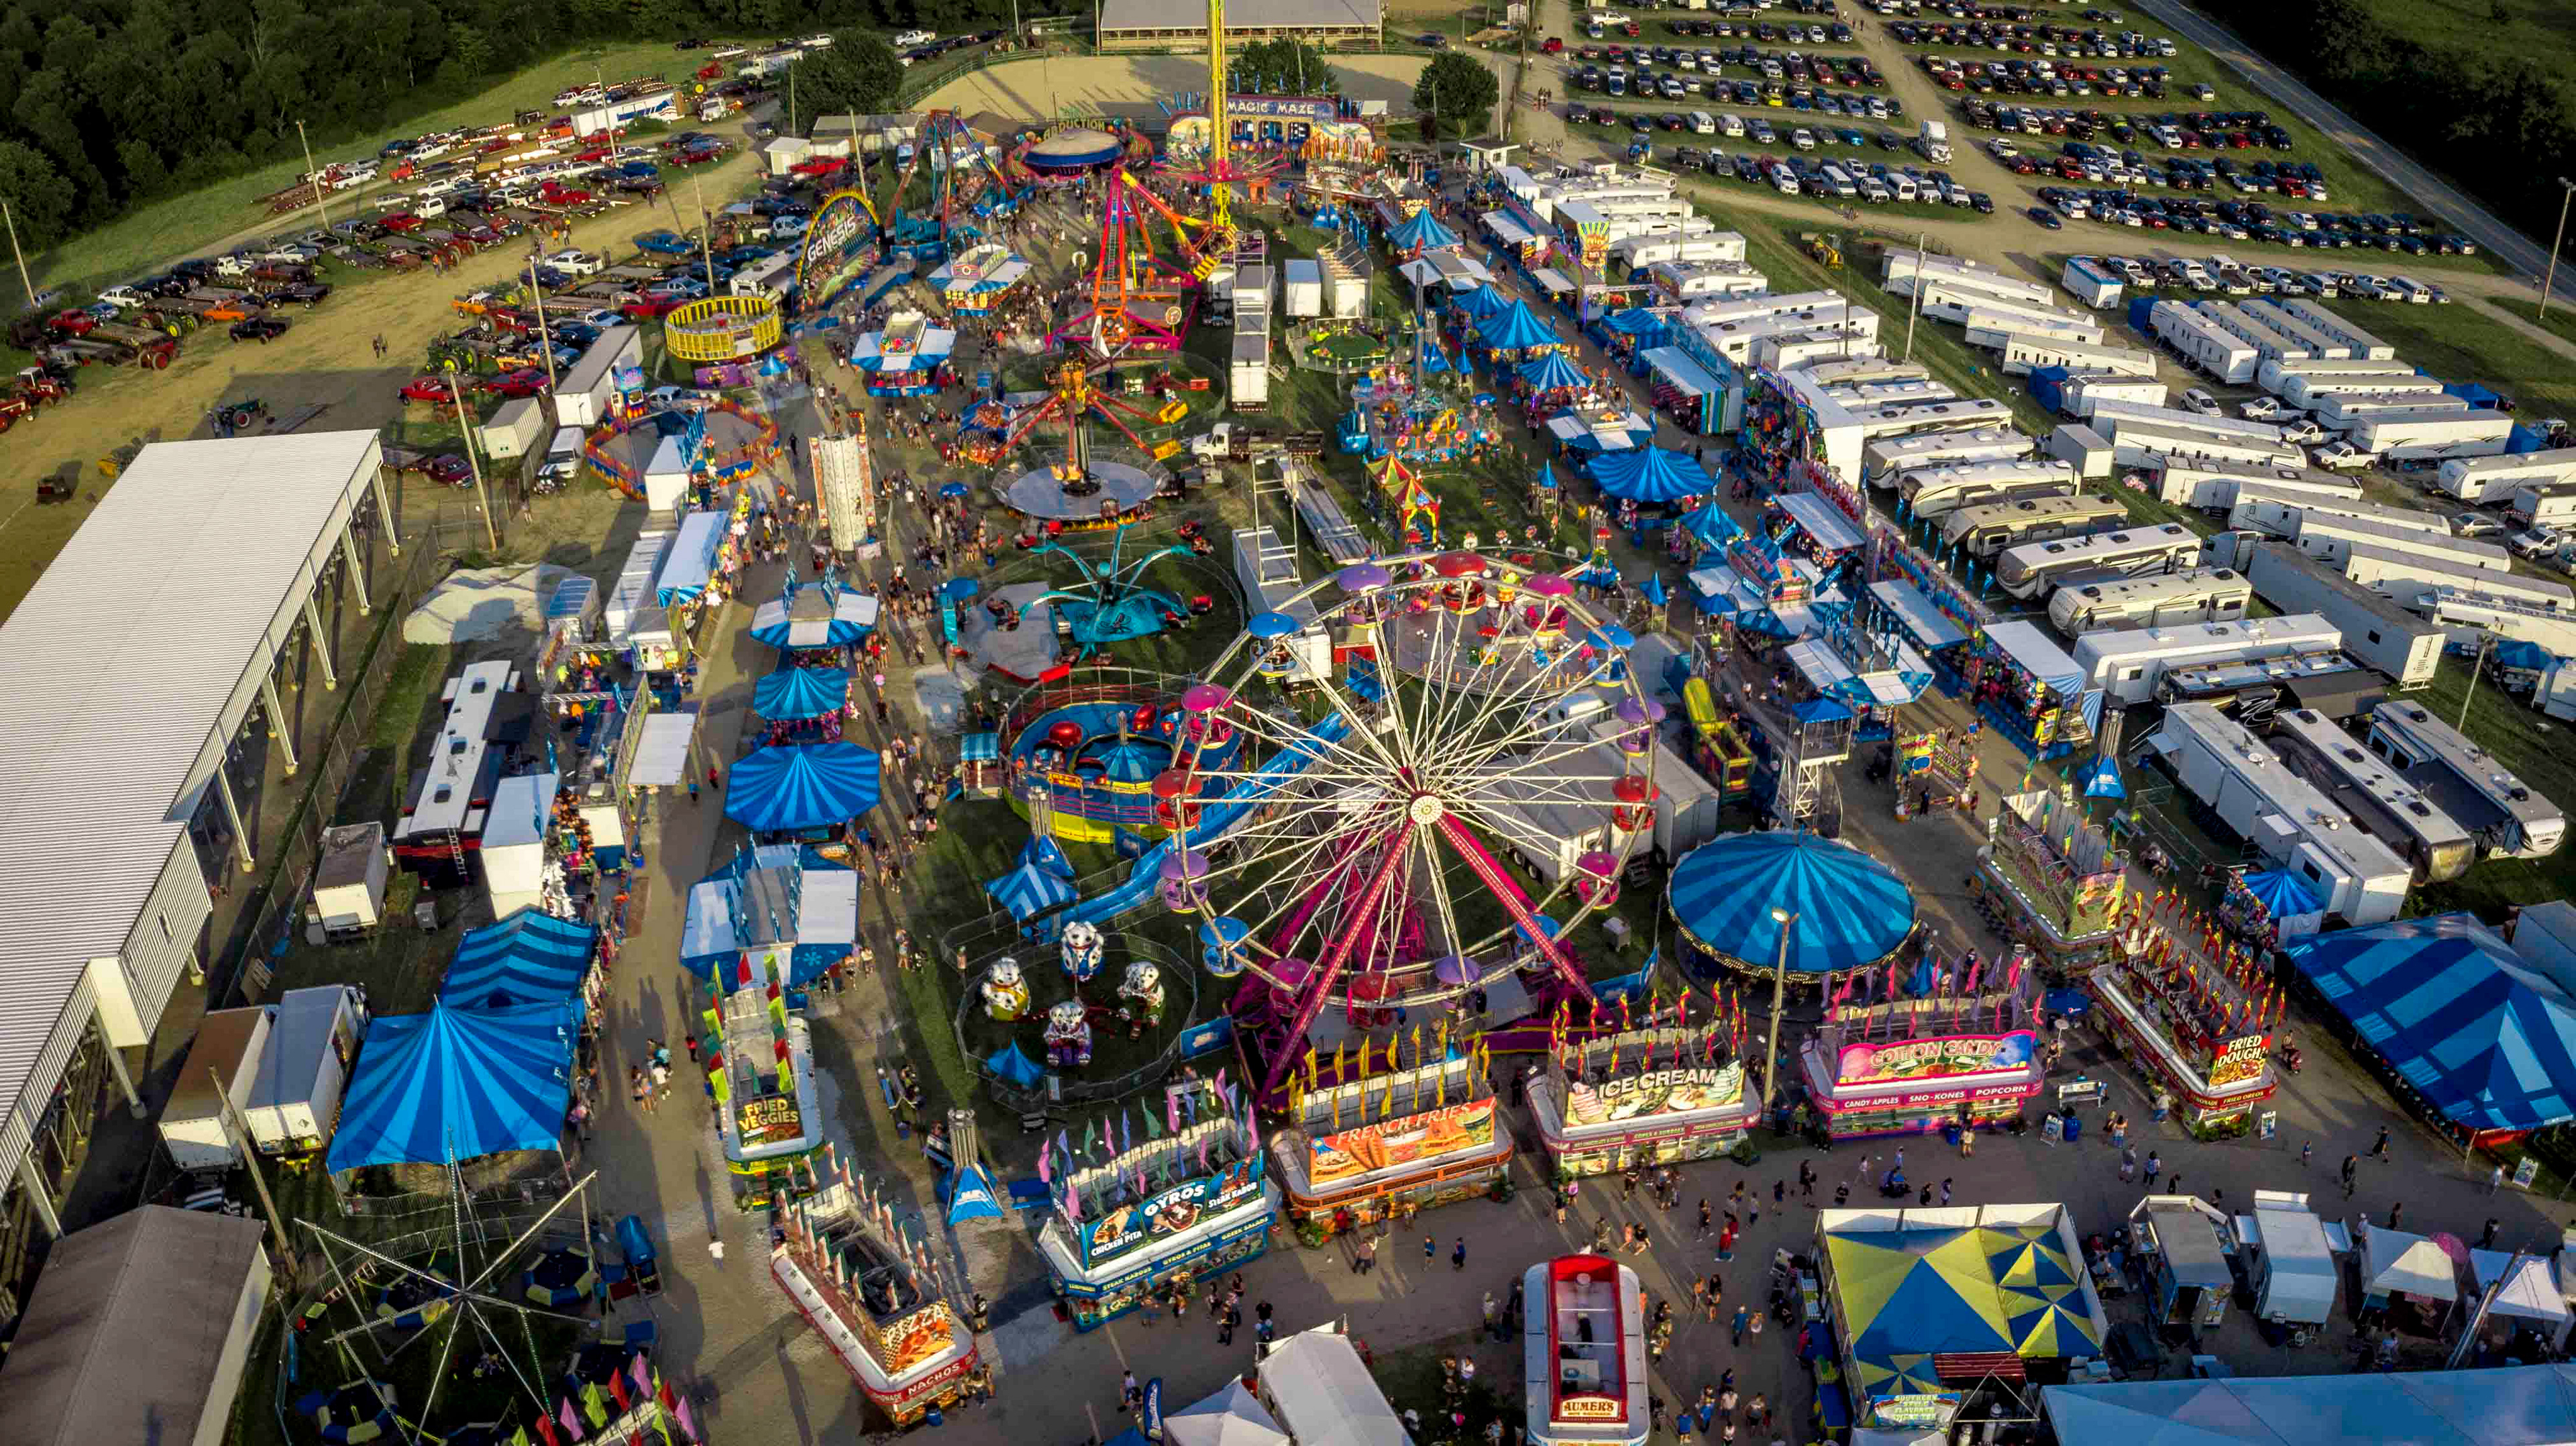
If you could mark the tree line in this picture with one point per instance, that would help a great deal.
(2494, 121)
(106, 105)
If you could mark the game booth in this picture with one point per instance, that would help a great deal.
(762, 1070)
(1957, 1052)
(1187, 1196)
(1641, 1097)
(879, 1292)
(1380, 1134)
(2029, 689)
(977, 282)
(904, 358)
(2050, 879)
(2192, 1011)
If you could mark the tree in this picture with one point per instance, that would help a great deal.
(1457, 90)
(1285, 66)
(40, 200)
(858, 75)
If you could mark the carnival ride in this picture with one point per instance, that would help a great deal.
(1110, 601)
(1467, 713)
(1139, 296)
(964, 180)
(1075, 393)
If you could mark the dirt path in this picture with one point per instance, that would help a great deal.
(327, 360)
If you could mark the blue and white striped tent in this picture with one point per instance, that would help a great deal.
(793, 693)
(531, 957)
(787, 789)
(458, 1084)
(1030, 890)
(1851, 911)
(2486, 1039)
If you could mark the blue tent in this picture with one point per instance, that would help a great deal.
(458, 1084)
(815, 615)
(1653, 591)
(1423, 232)
(1553, 371)
(970, 1195)
(1516, 328)
(1045, 853)
(1427, 351)
(1635, 321)
(1029, 890)
(794, 789)
(2103, 780)
(1650, 474)
(1852, 911)
(773, 894)
(1712, 526)
(2284, 895)
(1482, 302)
(792, 693)
(2486, 1039)
(1012, 1066)
(2515, 653)
(531, 957)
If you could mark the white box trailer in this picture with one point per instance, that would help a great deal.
(2363, 344)
(1936, 271)
(2508, 818)
(2268, 344)
(2274, 376)
(2375, 628)
(2283, 512)
(2417, 436)
(2125, 663)
(2327, 347)
(2141, 444)
(349, 883)
(2412, 574)
(2203, 343)
(588, 391)
(2330, 538)
(1305, 291)
(2215, 489)
(2083, 449)
(2307, 392)
(1944, 303)
(2289, 1263)
(1247, 373)
(2084, 395)
(313, 1040)
(2344, 411)
(2283, 816)
(2543, 504)
(222, 1063)
(2027, 351)
(1883, 461)
(2480, 480)
(666, 477)
(513, 429)
(2119, 413)
(2091, 282)
(1997, 331)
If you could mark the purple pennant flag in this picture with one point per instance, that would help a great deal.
(1061, 1144)
(1203, 1164)
(572, 1420)
(687, 1426)
(1046, 1176)
(1172, 1111)
(642, 1375)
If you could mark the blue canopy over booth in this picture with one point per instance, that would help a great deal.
(1422, 232)
(531, 957)
(1850, 911)
(1650, 474)
(796, 789)
(2484, 1038)
(815, 615)
(1030, 890)
(773, 894)
(1481, 303)
(1517, 328)
(458, 1084)
(790, 694)
(1554, 372)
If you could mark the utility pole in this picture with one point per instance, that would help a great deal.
(239, 1134)
(321, 191)
(12, 223)
(597, 75)
(545, 338)
(1779, 988)
(2485, 636)
(1914, 303)
(2566, 192)
(465, 423)
(706, 233)
(791, 100)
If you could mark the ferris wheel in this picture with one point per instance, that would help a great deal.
(1443, 771)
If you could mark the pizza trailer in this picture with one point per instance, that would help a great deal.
(1918, 1067)
(1642, 1097)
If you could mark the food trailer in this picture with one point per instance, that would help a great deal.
(2182, 1244)
(2190, 1010)
(1195, 1201)
(1640, 1097)
(1919, 1066)
(879, 1294)
(2050, 879)
(769, 1118)
(1365, 1140)
(2289, 1265)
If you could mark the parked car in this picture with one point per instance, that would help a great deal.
(2196, 400)
(2263, 409)
(259, 328)
(522, 382)
(577, 263)
(2535, 541)
(2475, 524)
(425, 389)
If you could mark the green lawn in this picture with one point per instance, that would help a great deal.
(2457, 344)
(2561, 318)
(2535, 749)
(167, 230)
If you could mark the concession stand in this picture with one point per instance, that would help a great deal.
(1640, 1097)
(1173, 1205)
(878, 1291)
(2190, 1010)
(2051, 880)
(1367, 1138)
(1919, 1065)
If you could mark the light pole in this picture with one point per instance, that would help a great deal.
(1779, 987)
(2566, 192)
(1914, 303)
(465, 425)
(11, 222)
(545, 338)
(322, 188)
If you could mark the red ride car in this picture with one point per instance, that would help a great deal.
(425, 389)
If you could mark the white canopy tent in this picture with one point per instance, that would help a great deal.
(2394, 1262)
(1231, 1417)
(662, 757)
(1322, 1392)
(2529, 1292)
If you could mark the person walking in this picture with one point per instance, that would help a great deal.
(2379, 1151)
(1945, 1192)
(1742, 1315)
(1703, 1217)
(1366, 1260)
(2351, 1170)
(2396, 1213)
(1430, 1250)
(2155, 1167)
(1493, 1317)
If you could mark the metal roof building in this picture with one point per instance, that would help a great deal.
(1182, 24)
(130, 670)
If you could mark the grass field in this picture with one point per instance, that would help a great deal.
(2458, 344)
(168, 230)
(2561, 319)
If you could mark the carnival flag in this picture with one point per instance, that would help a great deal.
(570, 1422)
(1045, 1175)
(1152, 1131)
(1172, 1109)
(688, 1427)
(617, 1390)
(1090, 1142)
(546, 1429)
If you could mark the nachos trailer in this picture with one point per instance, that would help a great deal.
(1641, 1097)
